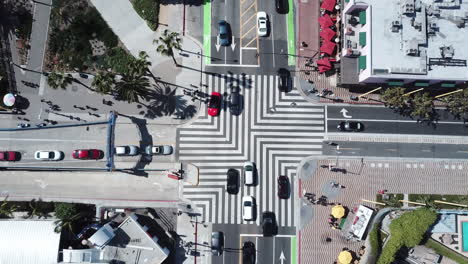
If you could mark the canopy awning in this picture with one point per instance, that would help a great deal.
(9, 99)
(325, 21)
(345, 257)
(327, 34)
(324, 62)
(338, 211)
(328, 47)
(328, 5)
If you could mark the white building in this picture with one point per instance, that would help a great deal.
(418, 42)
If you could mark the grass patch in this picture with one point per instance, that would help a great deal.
(149, 11)
(424, 198)
(444, 251)
(118, 60)
(390, 199)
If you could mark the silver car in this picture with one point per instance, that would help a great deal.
(126, 150)
(159, 150)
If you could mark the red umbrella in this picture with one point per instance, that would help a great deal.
(328, 5)
(323, 69)
(325, 21)
(324, 62)
(327, 34)
(328, 47)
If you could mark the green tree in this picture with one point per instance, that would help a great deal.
(65, 210)
(422, 106)
(457, 103)
(167, 43)
(140, 65)
(38, 208)
(428, 201)
(394, 97)
(7, 210)
(103, 82)
(56, 80)
(131, 87)
(67, 222)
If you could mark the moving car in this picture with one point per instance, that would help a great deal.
(88, 154)
(282, 6)
(248, 208)
(232, 181)
(224, 34)
(284, 79)
(283, 187)
(234, 101)
(126, 150)
(248, 253)
(350, 126)
(269, 227)
(214, 105)
(159, 150)
(217, 243)
(48, 155)
(249, 171)
(262, 24)
(9, 156)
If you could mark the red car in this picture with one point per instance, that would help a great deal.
(8, 156)
(214, 104)
(88, 154)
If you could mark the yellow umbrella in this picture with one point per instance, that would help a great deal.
(338, 211)
(345, 257)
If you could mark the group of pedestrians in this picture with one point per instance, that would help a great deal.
(322, 200)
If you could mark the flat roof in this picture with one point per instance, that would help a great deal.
(426, 38)
(28, 241)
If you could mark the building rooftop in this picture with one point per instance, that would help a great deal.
(425, 39)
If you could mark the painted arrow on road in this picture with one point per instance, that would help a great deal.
(345, 112)
(233, 44)
(282, 258)
(217, 44)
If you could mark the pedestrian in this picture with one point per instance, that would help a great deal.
(74, 106)
(88, 107)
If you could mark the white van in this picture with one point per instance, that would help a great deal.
(249, 173)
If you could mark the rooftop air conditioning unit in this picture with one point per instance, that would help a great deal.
(411, 51)
(433, 25)
(396, 23)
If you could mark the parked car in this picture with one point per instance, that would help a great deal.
(232, 186)
(282, 6)
(283, 187)
(350, 126)
(269, 227)
(284, 79)
(248, 252)
(88, 154)
(262, 24)
(159, 150)
(48, 155)
(9, 156)
(249, 173)
(248, 208)
(129, 150)
(234, 101)
(214, 105)
(217, 243)
(224, 33)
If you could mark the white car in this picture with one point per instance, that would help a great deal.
(126, 150)
(48, 155)
(262, 24)
(159, 150)
(248, 208)
(249, 171)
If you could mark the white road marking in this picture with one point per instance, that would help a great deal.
(273, 41)
(394, 121)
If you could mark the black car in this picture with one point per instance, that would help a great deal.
(284, 79)
(282, 6)
(217, 243)
(235, 101)
(248, 253)
(232, 181)
(283, 187)
(350, 126)
(269, 227)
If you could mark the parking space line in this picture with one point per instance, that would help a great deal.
(247, 46)
(248, 33)
(248, 8)
(248, 19)
(261, 235)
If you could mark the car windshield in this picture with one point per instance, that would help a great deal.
(223, 36)
(248, 168)
(51, 155)
(247, 203)
(214, 101)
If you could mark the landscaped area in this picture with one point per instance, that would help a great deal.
(149, 11)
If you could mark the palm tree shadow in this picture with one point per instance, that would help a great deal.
(163, 101)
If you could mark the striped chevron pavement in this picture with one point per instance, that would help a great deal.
(275, 130)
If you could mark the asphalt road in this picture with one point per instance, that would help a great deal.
(268, 249)
(385, 121)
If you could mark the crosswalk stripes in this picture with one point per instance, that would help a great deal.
(275, 130)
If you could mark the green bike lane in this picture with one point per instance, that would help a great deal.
(208, 34)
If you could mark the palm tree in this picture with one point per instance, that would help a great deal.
(7, 210)
(428, 201)
(66, 222)
(103, 81)
(131, 87)
(423, 106)
(38, 208)
(167, 42)
(56, 80)
(140, 65)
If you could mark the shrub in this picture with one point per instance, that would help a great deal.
(65, 210)
(408, 231)
(149, 11)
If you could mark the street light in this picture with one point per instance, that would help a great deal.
(337, 154)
